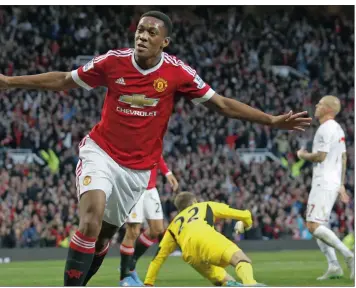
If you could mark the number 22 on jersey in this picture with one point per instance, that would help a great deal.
(192, 216)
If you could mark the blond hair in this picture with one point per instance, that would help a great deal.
(333, 102)
(184, 200)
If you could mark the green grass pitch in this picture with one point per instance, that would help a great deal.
(284, 268)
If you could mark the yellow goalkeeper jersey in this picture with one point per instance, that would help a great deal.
(195, 222)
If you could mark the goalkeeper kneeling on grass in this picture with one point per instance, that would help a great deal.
(205, 249)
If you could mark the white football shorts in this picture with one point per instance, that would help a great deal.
(123, 186)
(148, 207)
(320, 203)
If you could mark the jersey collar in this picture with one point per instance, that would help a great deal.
(147, 71)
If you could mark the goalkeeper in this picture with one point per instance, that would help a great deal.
(205, 249)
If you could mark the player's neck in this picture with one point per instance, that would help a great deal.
(148, 63)
(326, 118)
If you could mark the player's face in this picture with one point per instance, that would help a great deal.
(318, 109)
(150, 37)
(321, 109)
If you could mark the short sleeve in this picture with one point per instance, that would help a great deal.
(325, 140)
(91, 75)
(342, 142)
(192, 86)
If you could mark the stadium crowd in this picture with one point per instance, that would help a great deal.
(234, 52)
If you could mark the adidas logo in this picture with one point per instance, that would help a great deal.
(120, 81)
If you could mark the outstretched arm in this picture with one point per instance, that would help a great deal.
(166, 247)
(194, 88)
(235, 109)
(224, 211)
(88, 76)
(55, 81)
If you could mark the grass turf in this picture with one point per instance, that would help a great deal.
(284, 268)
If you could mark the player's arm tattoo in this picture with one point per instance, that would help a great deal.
(343, 174)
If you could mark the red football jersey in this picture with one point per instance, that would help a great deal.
(138, 103)
(162, 166)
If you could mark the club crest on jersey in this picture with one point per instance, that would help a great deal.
(133, 215)
(138, 101)
(160, 84)
(88, 66)
(87, 180)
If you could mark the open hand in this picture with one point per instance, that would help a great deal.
(290, 121)
(344, 197)
(301, 152)
(173, 182)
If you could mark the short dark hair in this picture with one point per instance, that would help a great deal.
(161, 16)
(184, 200)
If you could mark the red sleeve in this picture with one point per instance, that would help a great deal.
(192, 86)
(162, 165)
(92, 74)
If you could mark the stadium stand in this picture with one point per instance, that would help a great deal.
(282, 60)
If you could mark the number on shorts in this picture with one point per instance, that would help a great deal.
(158, 209)
(310, 208)
(191, 218)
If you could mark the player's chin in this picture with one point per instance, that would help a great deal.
(142, 52)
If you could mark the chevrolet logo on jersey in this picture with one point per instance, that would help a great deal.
(138, 101)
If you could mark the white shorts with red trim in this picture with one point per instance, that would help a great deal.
(148, 207)
(320, 203)
(123, 186)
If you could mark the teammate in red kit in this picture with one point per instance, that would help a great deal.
(117, 157)
(148, 207)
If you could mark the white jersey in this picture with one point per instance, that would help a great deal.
(329, 138)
